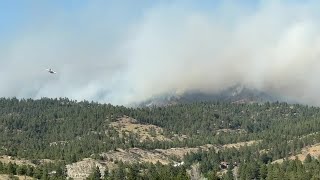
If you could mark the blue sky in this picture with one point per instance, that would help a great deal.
(18, 14)
(15, 15)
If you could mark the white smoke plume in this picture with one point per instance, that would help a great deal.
(167, 47)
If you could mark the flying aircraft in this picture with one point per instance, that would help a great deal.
(51, 71)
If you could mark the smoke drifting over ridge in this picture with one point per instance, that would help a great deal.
(274, 47)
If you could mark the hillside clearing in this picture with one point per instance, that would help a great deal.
(241, 144)
(313, 150)
(8, 159)
(144, 131)
(82, 169)
(6, 177)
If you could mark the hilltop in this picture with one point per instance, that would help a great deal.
(62, 137)
(233, 94)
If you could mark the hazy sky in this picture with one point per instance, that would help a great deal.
(126, 51)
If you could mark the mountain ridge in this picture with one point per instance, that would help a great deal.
(233, 94)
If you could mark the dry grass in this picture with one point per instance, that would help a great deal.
(83, 168)
(7, 159)
(164, 156)
(135, 155)
(80, 170)
(313, 150)
(239, 131)
(6, 177)
(129, 125)
(240, 144)
(181, 152)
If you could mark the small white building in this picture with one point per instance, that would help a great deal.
(178, 164)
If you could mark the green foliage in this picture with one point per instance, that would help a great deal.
(308, 159)
(95, 175)
(147, 171)
(39, 172)
(66, 130)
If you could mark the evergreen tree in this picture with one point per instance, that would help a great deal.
(308, 159)
(106, 173)
(95, 175)
(11, 168)
(263, 171)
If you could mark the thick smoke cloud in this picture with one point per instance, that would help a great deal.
(169, 47)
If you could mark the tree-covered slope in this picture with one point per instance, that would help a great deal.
(233, 94)
(67, 130)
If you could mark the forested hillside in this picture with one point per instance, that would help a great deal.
(66, 131)
(234, 94)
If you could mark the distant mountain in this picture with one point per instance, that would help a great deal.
(234, 94)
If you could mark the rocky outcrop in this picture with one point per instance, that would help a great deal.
(135, 155)
(82, 169)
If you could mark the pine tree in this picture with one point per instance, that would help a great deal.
(212, 175)
(308, 159)
(106, 173)
(11, 168)
(21, 170)
(29, 171)
(228, 175)
(2, 168)
(263, 171)
(95, 175)
(120, 172)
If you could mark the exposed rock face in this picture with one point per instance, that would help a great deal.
(135, 155)
(82, 169)
(313, 151)
(181, 152)
(143, 131)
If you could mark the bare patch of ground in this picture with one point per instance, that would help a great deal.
(135, 155)
(313, 150)
(8, 159)
(58, 143)
(82, 169)
(20, 161)
(195, 172)
(129, 125)
(241, 144)
(164, 156)
(7, 177)
(240, 131)
(181, 152)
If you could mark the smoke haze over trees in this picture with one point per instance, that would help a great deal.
(126, 52)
